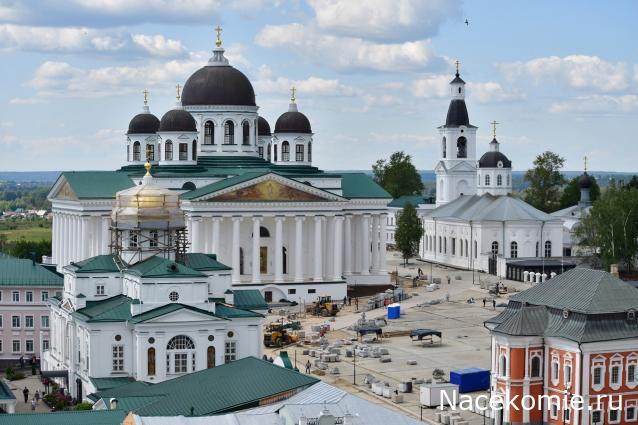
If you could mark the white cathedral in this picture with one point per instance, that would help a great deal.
(476, 223)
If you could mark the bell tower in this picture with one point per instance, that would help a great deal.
(456, 169)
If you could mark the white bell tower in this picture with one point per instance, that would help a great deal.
(456, 169)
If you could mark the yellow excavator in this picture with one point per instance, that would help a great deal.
(325, 307)
(276, 335)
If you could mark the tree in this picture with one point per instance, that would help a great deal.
(611, 226)
(545, 180)
(571, 192)
(398, 176)
(408, 233)
(633, 183)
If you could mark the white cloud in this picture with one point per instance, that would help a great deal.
(82, 39)
(384, 19)
(577, 71)
(347, 53)
(268, 83)
(25, 101)
(492, 92)
(435, 86)
(597, 104)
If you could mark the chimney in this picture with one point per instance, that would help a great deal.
(229, 297)
(613, 270)
(113, 404)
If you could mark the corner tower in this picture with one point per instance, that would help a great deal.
(456, 169)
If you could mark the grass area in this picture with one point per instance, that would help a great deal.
(35, 233)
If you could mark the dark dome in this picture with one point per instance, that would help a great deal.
(585, 182)
(263, 128)
(490, 160)
(177, 120)
(292, 122)
(218, 85)
(143, 123)
(457, 114)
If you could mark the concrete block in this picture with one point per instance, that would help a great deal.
(397, 398)
(385, 359)
(411, 362)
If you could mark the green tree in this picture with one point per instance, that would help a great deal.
(611, 226)
(398, 176)
(633, 183)
(545, 181)
(409, 232)
(571, 192)
(24, 248)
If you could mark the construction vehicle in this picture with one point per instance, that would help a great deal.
(325, 307)
(277, 335)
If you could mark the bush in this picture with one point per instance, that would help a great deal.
(83, 406)
(57, 401)
(12, 375)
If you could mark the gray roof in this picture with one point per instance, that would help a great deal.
(488, 207)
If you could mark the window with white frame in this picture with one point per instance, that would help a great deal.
(566, 413)
(29, 296)
(28, 321)
(99, 290)
(567, 372)
(15, 321)
(44, 321)
(28, 346)
(44, 296)
(554, 411)
(15, 346)
(15, 296)
(502, 365)
(615, 373)
(632, 362)
(630, 411)
(614, 416)
(597, 378)
(45, 344)
(596, 416)
(118, 358)
(536, 367)
(555, 372)
(230, 351)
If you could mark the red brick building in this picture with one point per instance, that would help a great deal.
(575, 338)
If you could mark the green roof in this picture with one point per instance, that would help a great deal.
(97, 184)
(249, 299)
(361, 185)
(80, 417)
(415, 200)
(230, 387)
(165, 309)
(98, 264)
(113, 309)
(22, 272)
(229, 312)
(5, 391)
(204, 262)
(162, 268)
(102, 384)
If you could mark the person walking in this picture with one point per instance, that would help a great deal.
(494, 303)
(25, 392)
(33, 403)
(484, 301)
(22, 363)
(308, 367)
(37, 396)
(448, 280)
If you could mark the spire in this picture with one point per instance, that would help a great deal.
(179, 97)
(494, 145)
(145, 108)
(148, 178)
(458, 65)
(218, 41)
(585, 160)
(292, 107)
(218, 58)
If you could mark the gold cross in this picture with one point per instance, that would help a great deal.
(458, 64)
(585, 159)
(145, 97)
(494, 124)
(293, 90)
(178, 96)
(218, 42)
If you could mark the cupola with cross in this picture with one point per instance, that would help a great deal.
(292, 138)
(177, 136)
(141, 137)
(494, 170)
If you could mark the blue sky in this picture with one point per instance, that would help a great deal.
(372, 76)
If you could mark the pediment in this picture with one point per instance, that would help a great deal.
(64, 192)
(463, 166)
(67, 306)
(182, 316)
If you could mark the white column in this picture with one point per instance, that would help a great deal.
(365, 244)
(338, 248)
(382, 248)
(85, 243)
(279, 258)
(62, 235)
(256, 245)
(299, 248)
(318, 276)
(348, 245)
(196, 235)
(236, 223)
(75, 245)
(106, 235)
(206, 235)
(375, 243)
(215, 248)
(54, 238)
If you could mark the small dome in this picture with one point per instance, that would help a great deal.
(177, 120)
(144, 123)
(491, 160)
(585, 182)
(263, 128)
(457, 114)
(292, 122)
(218, 85)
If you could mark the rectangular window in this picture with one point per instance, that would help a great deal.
(598, 376)
(230, 351)
(44, 321)
(299, 153)
(260, 149)
(45, 296)
(567, 414)
(15, 296)
(292, 291)
(45, 344)
(555, 371)
(312, 291)
(615, 375)
(1, 324)
(28, 321)
(568, 374)
(630, 413)
(181, 361)
(153, 242)
(554, 411)
(614, 417)
(595, 417)
(99, 290)
(183, 151)
(631, 373)
(118, 358)
(29, 346)
(15, 321)
(453, 246)
(16, 346)
(29, 296)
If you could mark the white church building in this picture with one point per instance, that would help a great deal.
(477, 224)
(250, 196)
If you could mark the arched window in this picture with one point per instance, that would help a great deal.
(285, 151)
(536, 367)
(180, 355)
(209, 133)
(150, 152)
(548, 248)
(189, 186)
(194, 153)
(487, 180)
(246, 133)
(537, 251)
(210, 357)
(499, 180)
(275, 152)
(514, 250)
(440, 246)
(260, 151)
(444, 245)
(136, 151)
(229, 133)
(299, 153)
(494, 248)
(444, 147)
(150, 361)
(241, 260)
(502, 365)
(128, 152)
(183, 151)
(268, 153)
(461, 147)
(309, 151)
(168, 150)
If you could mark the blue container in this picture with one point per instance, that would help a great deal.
(394, 311)
(471, 379)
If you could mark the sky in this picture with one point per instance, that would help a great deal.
(372, 76)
